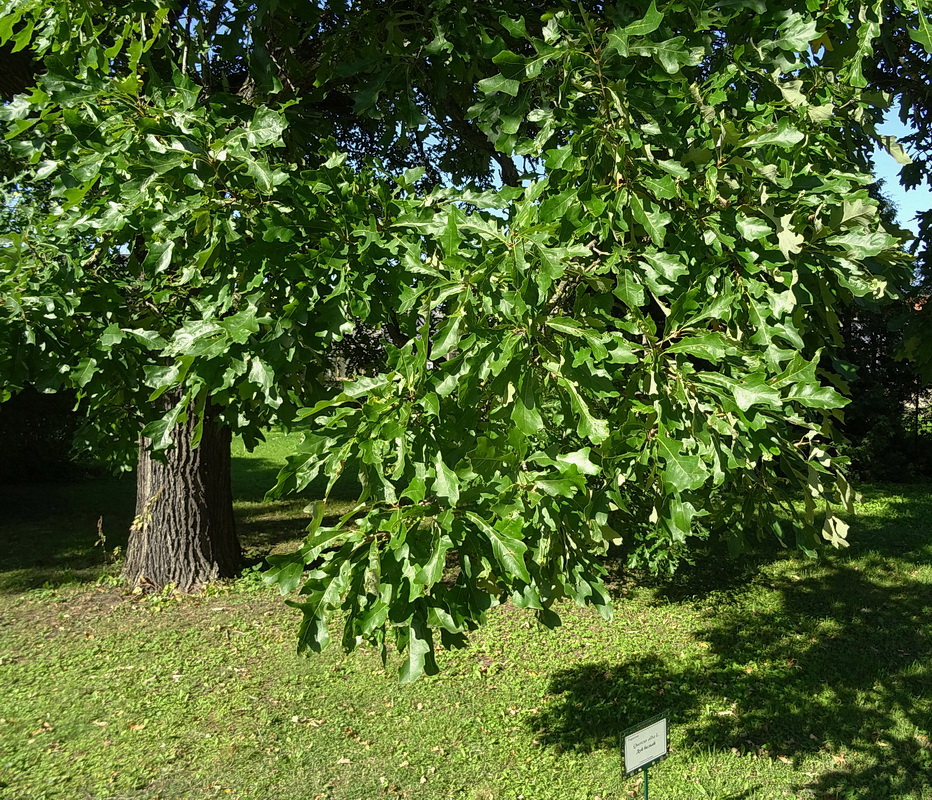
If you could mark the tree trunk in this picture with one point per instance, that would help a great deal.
(184, 533)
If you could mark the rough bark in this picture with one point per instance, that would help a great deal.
(184, 532)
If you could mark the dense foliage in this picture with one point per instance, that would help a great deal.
(36, 436)
(608, 247)
(886, 424)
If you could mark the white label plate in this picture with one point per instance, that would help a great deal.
(645, 745)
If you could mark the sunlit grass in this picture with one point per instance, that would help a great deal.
(783, 677)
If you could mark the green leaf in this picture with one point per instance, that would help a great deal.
(286, 572)
(670, 54)
(895, 149)
(709, 346)
(552, 265)
(792, 92)
(509, 552)
(432, 571)
(799, 370)
(784, 134)
(44, 169)
(557, 488)
(753, 229)
(159, 431)
(755, 391)
(679, 518)
(797, 32)
(676, 169)
(313, 634)
(525, 414)
(628, 290)
(654, 222)
(648, 24)
(261, 173)
(447, 338)
(335, 160)
(451, 238)
(867, 32)
(923, 34)
(681, 472)
(85, 372)
(160, 255)
(617, 42)
(446, 483)
(566, 325)
(814, 396)
(111, 336)
(862, 244)
(419, 655)
(589, 426)
(666, 265)
(499, 83)
(835, 531)
(579, 459)
(262, 374)
(787, 239)
(820, 113)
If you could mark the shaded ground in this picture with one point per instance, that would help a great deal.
(808, 659)
(51, 532)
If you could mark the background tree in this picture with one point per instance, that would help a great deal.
(886, 419)
(902, 67)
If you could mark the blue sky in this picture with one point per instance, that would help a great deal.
(907, 203)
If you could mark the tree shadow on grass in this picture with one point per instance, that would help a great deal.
(50, 533)
(268, 525)
(836, 660)
(253, 477)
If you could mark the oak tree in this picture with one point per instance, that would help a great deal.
(608, 245)
(191, 200)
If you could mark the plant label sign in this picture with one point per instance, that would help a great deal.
(645, 743)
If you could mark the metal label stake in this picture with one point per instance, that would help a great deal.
(644, 744)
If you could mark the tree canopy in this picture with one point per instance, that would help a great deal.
(610, 244)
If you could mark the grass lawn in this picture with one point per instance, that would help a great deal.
(782, 677)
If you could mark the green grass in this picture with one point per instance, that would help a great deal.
(783, 677)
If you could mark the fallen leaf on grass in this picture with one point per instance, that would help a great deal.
(137, 726)
(729, 712)
(344, 761)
